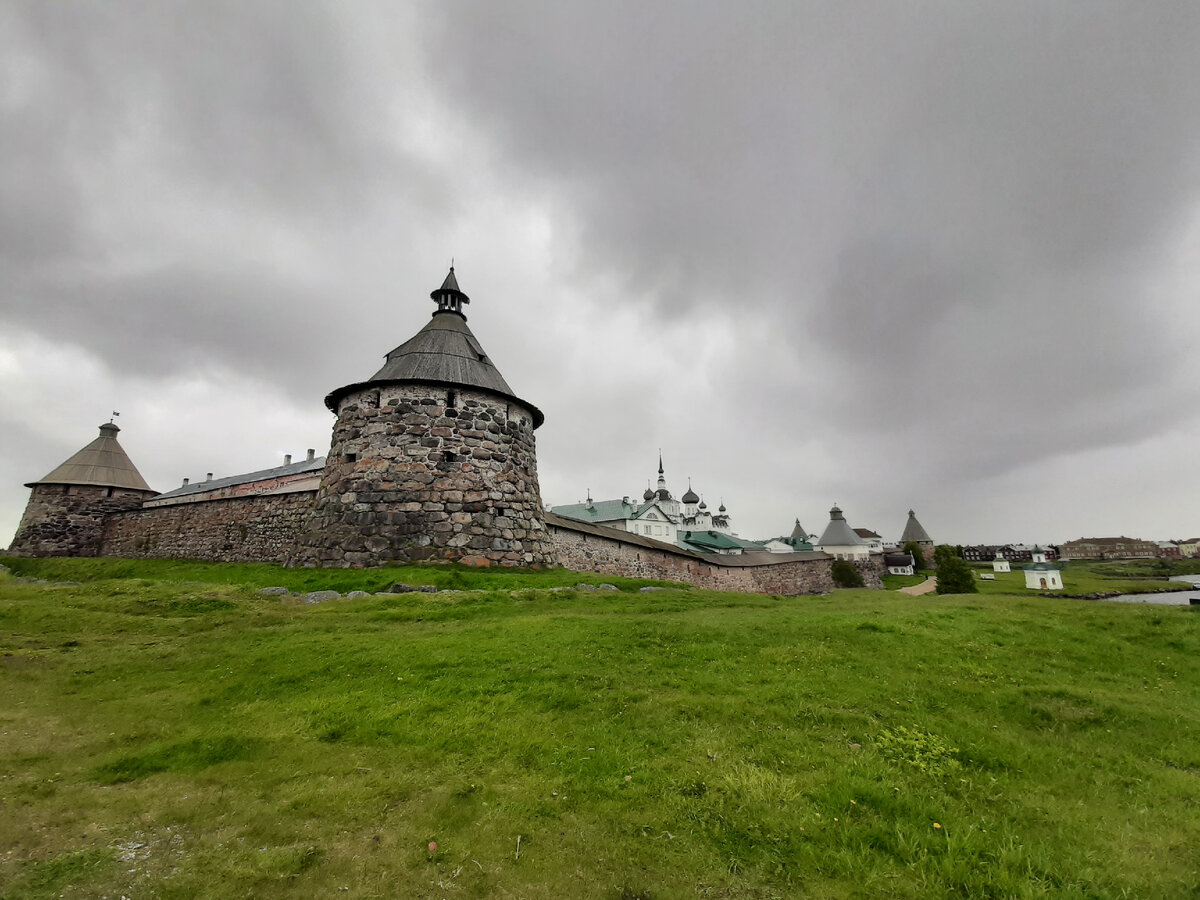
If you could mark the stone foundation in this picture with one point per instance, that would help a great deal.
(68, 519)
(422, 473)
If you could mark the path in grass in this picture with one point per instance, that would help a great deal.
(928, 586)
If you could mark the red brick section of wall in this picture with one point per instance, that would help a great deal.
(68, 519)
(246, 488)
(591, 548)
(262, 528)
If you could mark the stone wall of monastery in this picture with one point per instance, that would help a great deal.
(68, 519)
(592, 552)
(262, 528)
(270, 527)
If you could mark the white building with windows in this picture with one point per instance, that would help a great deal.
(648, 518)
(1041, 575)
(839, 540)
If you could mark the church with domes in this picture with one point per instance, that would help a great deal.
(689, 511)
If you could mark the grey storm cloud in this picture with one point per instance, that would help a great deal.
(903, 183)
(885, 229)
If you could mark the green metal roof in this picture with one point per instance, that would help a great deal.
(607, 511)
(716, 540)
(794, 542)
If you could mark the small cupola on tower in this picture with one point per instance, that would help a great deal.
(662, 493)
(448, 297)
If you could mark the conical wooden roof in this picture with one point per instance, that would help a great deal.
(914, 532)
(103, 463)
(444, 352)
(838, 532)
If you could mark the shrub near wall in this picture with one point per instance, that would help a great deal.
(261, 528)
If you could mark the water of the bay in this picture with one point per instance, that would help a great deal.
(1175, 598)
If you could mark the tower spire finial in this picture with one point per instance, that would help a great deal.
(449, 298)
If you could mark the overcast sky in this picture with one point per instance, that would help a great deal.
(889, 255)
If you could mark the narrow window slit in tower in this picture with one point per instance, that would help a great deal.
(351, 457)
(451, 399)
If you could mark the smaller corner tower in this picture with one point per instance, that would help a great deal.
(67, 508)
(915, 532)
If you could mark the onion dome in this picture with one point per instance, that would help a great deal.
(691, 496)
(703, 505)
(721, 508)
(444, 353)
(649, 495)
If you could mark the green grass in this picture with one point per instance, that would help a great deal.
(170, 735)
(895, 582)
(1078, 578)
(444, 577)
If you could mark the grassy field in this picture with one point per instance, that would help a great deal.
(1078, 578)
(171, 733)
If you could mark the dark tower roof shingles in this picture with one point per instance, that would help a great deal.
(444, 352)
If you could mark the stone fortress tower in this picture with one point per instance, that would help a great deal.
(914, 531)
(67, 509)
(432, 458)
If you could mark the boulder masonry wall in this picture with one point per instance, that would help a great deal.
(589, 548)
(262, 528)
(418, 472)
(68, 519)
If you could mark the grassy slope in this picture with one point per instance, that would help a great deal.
(196, 740)
(1078, 578)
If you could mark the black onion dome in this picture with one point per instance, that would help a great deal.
(649, 495)
(691, 496)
